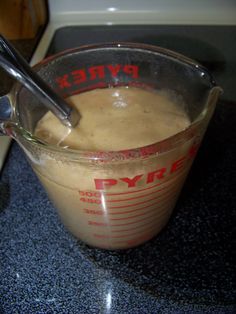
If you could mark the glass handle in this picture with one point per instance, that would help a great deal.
(6, 111)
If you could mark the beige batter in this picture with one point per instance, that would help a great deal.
(116, 119)
(139, 195)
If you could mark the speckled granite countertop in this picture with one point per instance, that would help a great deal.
(188, 268)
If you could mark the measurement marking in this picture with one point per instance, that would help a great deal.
(145, 207)
(162, 213)
(119, 225)
(130, 235)
(130, 217)
(149, 223)
(140, 196)
(150, 187)
(165, 190)
(137, 209)
(133, 198)
(146, 201)
(124, 212)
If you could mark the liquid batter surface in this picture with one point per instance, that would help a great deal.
(116, 119)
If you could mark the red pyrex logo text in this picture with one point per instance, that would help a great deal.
(97, 72)
(150, 177)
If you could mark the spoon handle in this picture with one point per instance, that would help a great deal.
(15, 65)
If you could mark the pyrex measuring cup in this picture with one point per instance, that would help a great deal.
(117, 199)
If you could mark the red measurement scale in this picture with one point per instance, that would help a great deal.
(130, 217)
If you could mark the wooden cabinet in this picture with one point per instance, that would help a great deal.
(21, 19)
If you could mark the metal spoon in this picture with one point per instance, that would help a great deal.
(15, 65)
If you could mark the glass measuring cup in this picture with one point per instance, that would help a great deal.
(118, 199)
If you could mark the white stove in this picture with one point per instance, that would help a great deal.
(142, 21)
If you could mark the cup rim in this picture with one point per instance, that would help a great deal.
(154, 149)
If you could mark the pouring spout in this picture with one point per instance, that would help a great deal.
(212, 98)
(213, 95)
